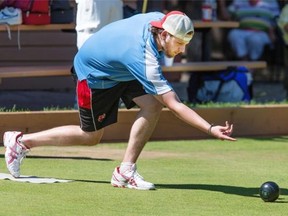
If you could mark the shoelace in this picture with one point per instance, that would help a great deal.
(24, 150)
(137, 176)
(23, 155)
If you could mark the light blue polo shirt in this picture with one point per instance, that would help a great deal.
(123, 51)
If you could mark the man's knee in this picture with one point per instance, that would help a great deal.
(92, 138)
(149, 103)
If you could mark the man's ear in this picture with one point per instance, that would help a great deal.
(164, 34)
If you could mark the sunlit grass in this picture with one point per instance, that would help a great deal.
(193, 177)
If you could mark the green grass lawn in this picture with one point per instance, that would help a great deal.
(203, 177)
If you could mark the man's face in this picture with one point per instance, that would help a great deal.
(173, 46)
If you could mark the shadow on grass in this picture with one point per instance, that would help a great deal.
(91, 181)
(64, 157)
(280, 139)
(236, 190)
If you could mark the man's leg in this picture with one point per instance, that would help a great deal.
(126, 175)
(17, 145)
(256, 43)
(143, 126)
(62, 136)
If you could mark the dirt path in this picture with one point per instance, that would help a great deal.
(95, 152)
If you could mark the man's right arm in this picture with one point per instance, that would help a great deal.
(186, 114)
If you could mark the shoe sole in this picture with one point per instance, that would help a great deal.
(130, 186)
(139, 188)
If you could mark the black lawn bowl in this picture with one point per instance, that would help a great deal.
(269, 191)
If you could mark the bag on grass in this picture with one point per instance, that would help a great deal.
(231, 85)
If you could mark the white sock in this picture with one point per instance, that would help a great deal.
(126, 168)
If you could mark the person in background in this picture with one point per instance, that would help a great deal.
(92, 15)
(257, 28)
(283, 26)
(223, 6)
(128, 68)
(283, 23)
(130, 8)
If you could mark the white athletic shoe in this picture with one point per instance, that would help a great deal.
(11, 16)
(15, 152)
(136, 181)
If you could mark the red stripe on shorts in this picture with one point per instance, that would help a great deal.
(83, 94)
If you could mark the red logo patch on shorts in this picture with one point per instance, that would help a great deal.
(101, 117)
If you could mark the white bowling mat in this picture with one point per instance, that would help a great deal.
(32, 179)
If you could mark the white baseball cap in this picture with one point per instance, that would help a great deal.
(177, 24)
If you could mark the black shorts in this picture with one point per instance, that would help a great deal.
(98, 108)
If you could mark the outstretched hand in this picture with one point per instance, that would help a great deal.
(223, 132)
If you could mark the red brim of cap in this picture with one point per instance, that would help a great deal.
(157, 24)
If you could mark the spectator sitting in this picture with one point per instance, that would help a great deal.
(283, 26)
(283, 23)
(257, 28)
